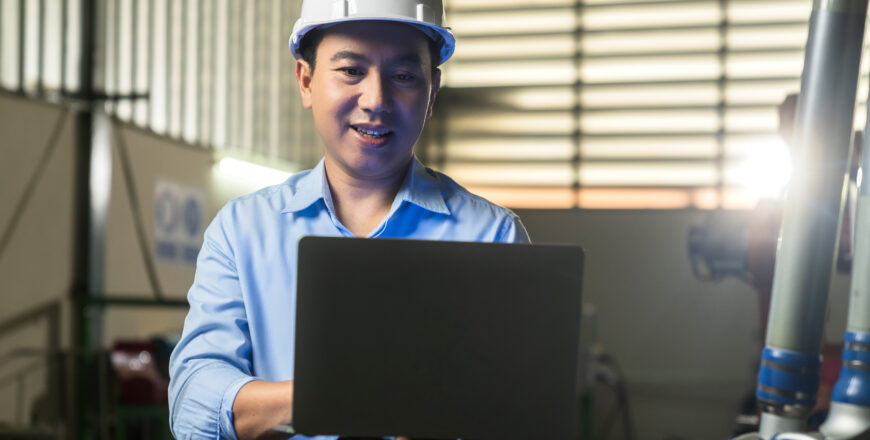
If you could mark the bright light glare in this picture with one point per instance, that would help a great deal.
(251, 172)
(766, 170)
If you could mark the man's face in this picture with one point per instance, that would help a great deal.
(372, 89)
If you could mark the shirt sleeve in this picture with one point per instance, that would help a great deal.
(513, 231)
(212, 361)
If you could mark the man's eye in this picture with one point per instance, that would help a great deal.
(351, 71)
(405, 77)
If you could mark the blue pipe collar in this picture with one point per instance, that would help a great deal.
(788, 377)
(853, 386)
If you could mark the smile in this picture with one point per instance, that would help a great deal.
(373, 133)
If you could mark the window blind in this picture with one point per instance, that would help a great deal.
(620, 104)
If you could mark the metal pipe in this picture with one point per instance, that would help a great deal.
(134, 55)
(40, 62)
(2, 12)
(235, 83)
(850, 401)
(63, 45)
(789, 373)
(85, 270)
(116, 57)
(22, 28)
(200, 83)
(212, 125)
(167, 80)
(149, 104)
(182, 92)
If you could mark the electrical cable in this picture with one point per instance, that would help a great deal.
(136, 211)
(621, 405)
(47, 152)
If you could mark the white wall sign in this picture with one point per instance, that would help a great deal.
(179, 214)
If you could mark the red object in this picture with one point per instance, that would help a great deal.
(139, 381)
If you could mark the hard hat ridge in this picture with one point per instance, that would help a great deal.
(426, 15)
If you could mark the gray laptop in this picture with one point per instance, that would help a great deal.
(430, 339)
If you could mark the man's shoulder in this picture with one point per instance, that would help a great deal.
(272, 199)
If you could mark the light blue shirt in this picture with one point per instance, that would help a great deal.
(243, 300)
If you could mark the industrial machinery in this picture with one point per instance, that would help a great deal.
(790, 366)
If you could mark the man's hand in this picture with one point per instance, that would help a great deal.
(259, 406)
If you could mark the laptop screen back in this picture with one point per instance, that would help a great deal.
(434, 339)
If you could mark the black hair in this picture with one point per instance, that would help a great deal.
(308, 46)
(312, 39)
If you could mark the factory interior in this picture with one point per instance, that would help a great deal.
(664, 137)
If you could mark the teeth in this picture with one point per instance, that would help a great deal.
(372, 132)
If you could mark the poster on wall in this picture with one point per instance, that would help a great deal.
(178, 222)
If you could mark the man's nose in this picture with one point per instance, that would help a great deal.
(375, 94)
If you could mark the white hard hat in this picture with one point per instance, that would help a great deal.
(426, 15)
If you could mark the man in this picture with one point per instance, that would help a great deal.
(368, 71)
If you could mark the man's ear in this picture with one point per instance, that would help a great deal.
(436, 85)
(303, 78)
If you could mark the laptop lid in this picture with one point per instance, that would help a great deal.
(433, 339)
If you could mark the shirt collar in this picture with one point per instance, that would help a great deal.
(419, 187)
(310, 188)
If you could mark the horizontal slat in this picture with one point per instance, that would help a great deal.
(633, 55)
(591, 5)
(487, 107)
(623, 29)
(491, 135)
(645, 83)
(596, 160)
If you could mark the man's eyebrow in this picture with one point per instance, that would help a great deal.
(348, 55)
(409, 58)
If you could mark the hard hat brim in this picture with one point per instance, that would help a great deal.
(448, 41)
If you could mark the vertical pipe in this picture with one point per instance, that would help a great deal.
(238, 66)
(232, 62)
(63, 43)
(849, 414)
(286, 115)
(248, 75)
(40, 62)
(230, 72)
(256, 76)
(54, 371)
(134, 55)
(277, 57)
(2, 11)
(22, 28)
(149, 103)
(182, 92)
(83, 333)
(117, 55)
(789, 373)
(167, 85)
(197, 120)
(213, 118)
(247, 85)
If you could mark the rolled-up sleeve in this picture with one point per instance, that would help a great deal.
(212, 361)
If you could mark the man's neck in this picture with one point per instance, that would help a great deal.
(361, 203)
